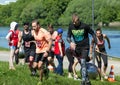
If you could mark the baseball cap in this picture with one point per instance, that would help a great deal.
(60, 30)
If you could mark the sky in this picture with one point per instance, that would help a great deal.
(3, 2)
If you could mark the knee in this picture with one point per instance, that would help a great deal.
(31, 59)
(40, 66)
(35, 65)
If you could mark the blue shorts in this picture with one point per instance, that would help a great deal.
(12, 47)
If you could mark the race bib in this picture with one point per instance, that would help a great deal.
(27, 44)
(38, 44)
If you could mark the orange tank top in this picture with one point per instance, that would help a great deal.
(42, 39)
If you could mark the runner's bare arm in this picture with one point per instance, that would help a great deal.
(91, 48)
(32, 32)
(8, 36)
(108, 40)
(54, 35)
(49, 44)
(49, 40)
(19, 39)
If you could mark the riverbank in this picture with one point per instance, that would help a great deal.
(4, 56)
(4, 49)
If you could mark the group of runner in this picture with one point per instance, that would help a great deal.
(38, 44)
(41, 45)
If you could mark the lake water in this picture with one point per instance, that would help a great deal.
(114, 36)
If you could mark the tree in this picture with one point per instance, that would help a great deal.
(104, 11)
(59, 12)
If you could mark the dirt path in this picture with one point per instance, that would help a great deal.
(4, 56)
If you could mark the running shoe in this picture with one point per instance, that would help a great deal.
(88, 83)
(82, 83)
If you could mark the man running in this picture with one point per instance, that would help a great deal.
(29, 46)
(79, 31)
(51, 53)
(43, 45)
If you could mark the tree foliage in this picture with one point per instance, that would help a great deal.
(104, 11)
(59, 12)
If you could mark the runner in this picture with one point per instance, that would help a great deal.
(29, 46)
(51, 54)
(12, 38)
(43, 45)
(79, 31)
(59, 51)
(17, 53)
(72, 63)
(101, 51)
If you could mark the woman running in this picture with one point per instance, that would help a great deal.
(101, 51)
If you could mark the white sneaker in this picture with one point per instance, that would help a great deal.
(101, 79)
(70, 76)
(76, 78)
(105, 77)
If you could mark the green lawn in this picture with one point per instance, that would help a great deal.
(4, 49)
(21, 76)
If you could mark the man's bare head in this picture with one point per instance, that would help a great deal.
(75, 19)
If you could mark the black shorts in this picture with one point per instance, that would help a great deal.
(82, 52)
(29, 53)
(51, 54)
(40, 57)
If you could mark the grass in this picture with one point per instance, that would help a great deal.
(4, 49)
(21, 76)
(114, 58)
